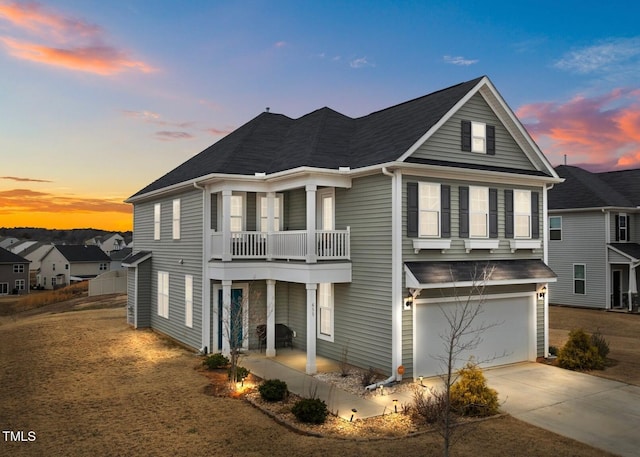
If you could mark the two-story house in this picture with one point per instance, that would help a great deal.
(65, 264)
(353, 232)
(594, 246)
(108, 242)
(14, 273)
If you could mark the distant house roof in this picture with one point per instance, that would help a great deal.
(10, 257)
(120, 254)
(431, 275)
(133, 260)
(80, 253)
(584, 189)
(324, 138)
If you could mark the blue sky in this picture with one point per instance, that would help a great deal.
(100, 98)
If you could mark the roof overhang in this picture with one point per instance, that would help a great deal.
(452, 274)
(133, 260)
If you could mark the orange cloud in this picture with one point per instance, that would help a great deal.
(26, 207)
(17, 178)
(77, 46)
(601, 133)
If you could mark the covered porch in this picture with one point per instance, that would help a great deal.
(624, 259)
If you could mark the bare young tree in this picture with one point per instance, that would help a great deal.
(461, 336)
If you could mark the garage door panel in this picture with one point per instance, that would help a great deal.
(506, 339)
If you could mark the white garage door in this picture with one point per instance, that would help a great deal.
(511, 340)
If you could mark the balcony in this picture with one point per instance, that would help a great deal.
(285, 245)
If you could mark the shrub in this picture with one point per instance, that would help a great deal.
(553, 350)
(310, 410)
(601, 344)
(273, 390)
(369, 377)
(579, 353)
(429, 406)
(470, 395)
(241, 373)
(215, 361)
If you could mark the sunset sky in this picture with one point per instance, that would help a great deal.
(99, 98)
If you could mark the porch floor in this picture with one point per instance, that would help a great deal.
(289, 366)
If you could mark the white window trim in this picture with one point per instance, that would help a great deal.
(243, 216)
(555, 229)
(176, 219)
(157, 216)
(20, 284)
(163, 294)
(485, 213)
(573, 273)
(188, 301)
(483, 126)
(516, 214)
(279, 217)
(421, 186)
(326, 306)
(626, 226)
(18, 268)
(328, 192)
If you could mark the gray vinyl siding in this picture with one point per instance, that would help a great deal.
(583, 241)
(540, 328)
(297, 314)
(445, 144)
(295, 202)
(457, 250)
(363, 307)
(178, 258)
(614, 257)
(131, 296)
(144, 294)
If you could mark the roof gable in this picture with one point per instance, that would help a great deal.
(9, 257)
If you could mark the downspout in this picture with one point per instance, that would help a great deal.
(607, 240)
(396, 273)
(545, 254)
(204, 293)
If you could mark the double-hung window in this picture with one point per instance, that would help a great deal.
(555, 228)
(18, 268)
(156, 221)
(478, 212)
(325, 311)
(163, 294)
(20, 284)
(188, 300)
(522, 213)
(264, 213)
(237, 213)
(579, 278)
(478, 137)
(429, 209)
(622, 227)
(176, 219)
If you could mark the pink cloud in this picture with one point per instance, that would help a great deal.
(601, 132)
(169, 136)
(219, 132)
(64, 42)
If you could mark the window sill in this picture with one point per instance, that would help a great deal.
(422, 243)
(524, 244)
(481, 244)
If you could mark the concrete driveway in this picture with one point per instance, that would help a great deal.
(602, 413)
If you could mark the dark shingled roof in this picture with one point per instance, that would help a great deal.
(133, 259)
(10, 257)
(324, 138)
(583, 189)
(80, 253)
(631, 249)
(469, 271)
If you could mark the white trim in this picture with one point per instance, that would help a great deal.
(325, 304)
(157, 221)
(432, 300)
(188, 300)
(421, 243)
(481, 243)
(396, 273)
(573, 278)
(163, 278)
(524, 244)
(175, 219)
(321, 194)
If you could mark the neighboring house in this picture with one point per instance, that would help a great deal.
(594, 238)
(353, 233)
(117, 257)
(108, 243)
(20, 246)
(14, 273)
(66, 264)
(34, 254)
(7, 241)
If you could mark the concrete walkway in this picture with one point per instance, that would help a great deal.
(601, 413)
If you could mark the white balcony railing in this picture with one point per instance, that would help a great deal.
(285, 245)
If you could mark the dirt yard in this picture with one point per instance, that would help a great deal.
(77, 381)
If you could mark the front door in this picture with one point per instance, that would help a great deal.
(4, 288)
(235, 326)
(616, 289)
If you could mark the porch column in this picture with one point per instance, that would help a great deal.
(271, 318)
(226, 317)
(311, 329)
(633, 287)
(271, 197)
(311, 223)
(226, 225)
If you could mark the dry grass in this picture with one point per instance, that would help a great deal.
(87, 385)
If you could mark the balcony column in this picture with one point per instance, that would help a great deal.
(633, 286)
(226, 317)
(226, 225)
(271, 197)
(311, 329)
(311, 223)
(271, 318)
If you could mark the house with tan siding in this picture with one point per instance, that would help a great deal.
(352, 232)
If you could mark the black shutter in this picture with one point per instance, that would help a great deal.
(466, 136)
(491, 140)
(508, 213)
(617, 228)
(535, 216)
(493, 213)
(464, 212)
(412, 209)
(628, 228)
(445, 211)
